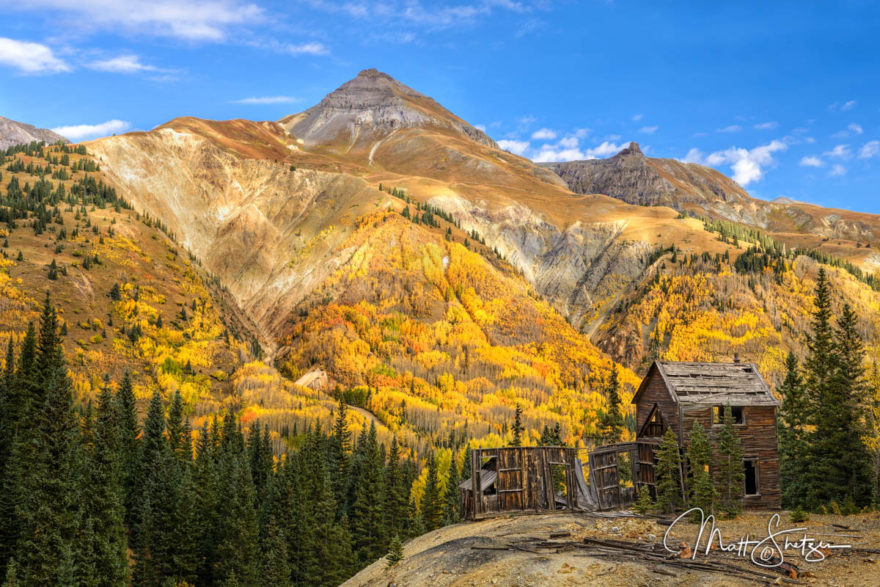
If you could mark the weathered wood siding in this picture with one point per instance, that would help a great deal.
(655, 392)
(524, 482)
(758, 436)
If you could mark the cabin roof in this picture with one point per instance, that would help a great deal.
(735, 384)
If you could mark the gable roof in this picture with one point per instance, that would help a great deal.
(737, 384)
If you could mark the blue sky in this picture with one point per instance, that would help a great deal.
(783, 96)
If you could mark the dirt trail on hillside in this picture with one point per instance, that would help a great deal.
(446, 557)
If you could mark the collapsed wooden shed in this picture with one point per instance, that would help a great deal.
(522, 479)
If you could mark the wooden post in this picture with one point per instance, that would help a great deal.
(475, 480)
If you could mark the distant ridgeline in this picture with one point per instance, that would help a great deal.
(768, 253)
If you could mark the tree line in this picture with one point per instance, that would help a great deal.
(93, 496)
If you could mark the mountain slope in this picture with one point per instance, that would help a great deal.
(278, 211)
(19, 133)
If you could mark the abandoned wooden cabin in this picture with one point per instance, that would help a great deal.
(675, 395)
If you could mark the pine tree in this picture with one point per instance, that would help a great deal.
(703, 492)
(395, 551)
(126, 418)
(668, 471)
(368, 536)
(517, 427)
(396, 492)
(612, 419)
(276, 568)
(792, 432)
(339, 449)
(452, 502)
(46, 455)
(818, 373)
(731, 473)
(850, 424)
(432, 507)
(237, 548)
(102, 502)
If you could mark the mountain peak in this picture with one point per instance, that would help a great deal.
(371, 104)
(632, 149)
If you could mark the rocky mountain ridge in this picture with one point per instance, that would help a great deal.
(633, 177)
(19, 133)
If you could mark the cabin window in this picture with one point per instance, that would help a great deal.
(736, 411)
(750, 467)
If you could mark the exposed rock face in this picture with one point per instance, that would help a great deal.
(634, 178)
(372, 104)
(19, 133)
(268, 232)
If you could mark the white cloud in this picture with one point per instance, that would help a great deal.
(748, 165)
(869, 150)
(122, 64)
(606, 149)
(481, 127)
(527, 119)
(515, 147)
(856, 128)
(767, 125)
(569, 142)
(313, 48)
(79, 132)
(839, 152)
(581, 133)
(849, 105)
(549, 153)
(812, 161)
(638, 117)
(648, 130)
(30, 57)
(731, 128)
(837, 170)
(544, 134)
(270, 100)
(191, 20)
(694, 156)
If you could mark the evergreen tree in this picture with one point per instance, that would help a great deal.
(368, 536)
(339, 449)
(517, 427)
(103, 508)
(276, 568)
(668, 471)
(45, 454)
(452, 502)
(432, 506)
(126, 418)
(731, 473)
(848, 420)
(702, 491)
(395, 551)
(818, 374)
(238, 537)
(396, 492)
(792, 433)
(612, 420)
